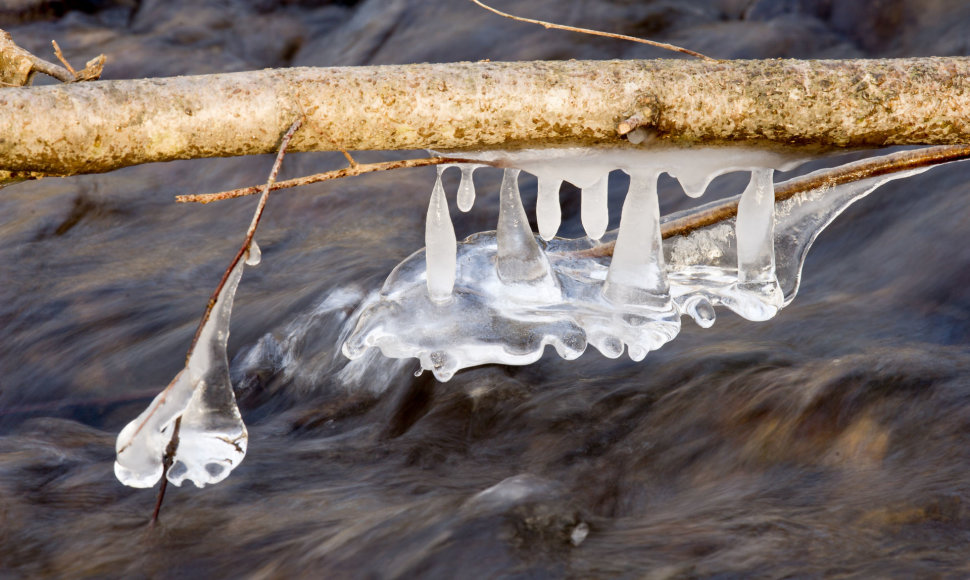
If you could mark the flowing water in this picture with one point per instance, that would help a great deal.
(831, 440)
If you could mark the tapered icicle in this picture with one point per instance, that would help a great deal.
(548, 211)
(518, 258)
(441, 245)
(594, 212)
(466, 187)
(637, 274)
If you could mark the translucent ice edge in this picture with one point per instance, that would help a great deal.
(489, 320)
(212, 437)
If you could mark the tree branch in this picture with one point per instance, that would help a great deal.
(100, 126)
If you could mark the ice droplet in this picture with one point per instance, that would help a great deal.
(439, 238)
(579, 533)
(548, 211)
(466, 187)
(701, 310)
(594, 212)
(253, 255)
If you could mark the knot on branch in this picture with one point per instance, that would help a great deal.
(647, 116)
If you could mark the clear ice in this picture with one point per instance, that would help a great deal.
(514, 293)
(212, 437)
(466, 187)
(518, 258)
(548, 211)
(440, 241)
(754, 229)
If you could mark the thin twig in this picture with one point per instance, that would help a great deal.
(257, 215)
(60, 57)
(596, 32)
(350, 159)
(50, 69)
(352, 171)
(167, 460)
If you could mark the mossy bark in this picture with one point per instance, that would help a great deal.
(100, 126)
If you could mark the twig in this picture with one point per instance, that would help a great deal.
(50, 69)
(167, 460)
(596, 32)
(257, 215)
(856, 171)
(172, 447)
(60, 57)
(350, 159)
(352, 171)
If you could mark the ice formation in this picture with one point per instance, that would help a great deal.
(466, 187)
(212, 437)
(511, 293)
(440, 241)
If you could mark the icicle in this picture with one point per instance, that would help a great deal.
(548, 212)
(466, 187)
(594, 212)
(212, 436)
(756, 249)
(254, 255)
(439, 238)
(518, 257)
(637, 274)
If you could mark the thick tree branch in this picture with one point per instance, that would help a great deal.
(100, 126)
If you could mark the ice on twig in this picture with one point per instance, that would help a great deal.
(504, 311)
(254, 255)
(212, 438)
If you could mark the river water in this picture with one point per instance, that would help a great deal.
(829, 441)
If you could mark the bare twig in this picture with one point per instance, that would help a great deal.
(545, 24)
(60, 57)
(257, 215)
(352, 171)
(350, 159)
(167, 460)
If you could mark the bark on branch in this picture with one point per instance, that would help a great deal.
(100, 126)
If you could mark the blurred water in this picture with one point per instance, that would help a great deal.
(829, 441)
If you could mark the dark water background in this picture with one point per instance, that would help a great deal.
(831, 441)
